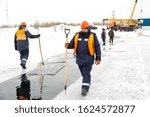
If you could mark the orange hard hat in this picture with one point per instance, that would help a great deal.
(84, 25)
(23, 23)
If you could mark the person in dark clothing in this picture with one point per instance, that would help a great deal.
(103, 36)
(21, 43)
(86, 48)
(111, 36)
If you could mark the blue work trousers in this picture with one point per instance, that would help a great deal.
(24, 54)
(85, 72)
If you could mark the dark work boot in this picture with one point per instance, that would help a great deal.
(23, 66)
(84, 92)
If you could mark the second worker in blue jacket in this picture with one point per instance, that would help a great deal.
(21, 43)
(87, 50)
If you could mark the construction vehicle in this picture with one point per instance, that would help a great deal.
(123, 24)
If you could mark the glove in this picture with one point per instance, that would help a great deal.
(97, 62)
(66, 45)
(37, 36)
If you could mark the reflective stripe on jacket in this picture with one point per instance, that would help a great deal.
(20, 35)
(91, 47)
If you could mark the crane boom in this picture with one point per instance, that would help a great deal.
(133, 10)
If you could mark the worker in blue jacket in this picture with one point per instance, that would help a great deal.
(21, 43)
(87, 49)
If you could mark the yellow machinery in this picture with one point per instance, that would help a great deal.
(122, 24)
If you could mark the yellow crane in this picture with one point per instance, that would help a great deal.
(123, 24)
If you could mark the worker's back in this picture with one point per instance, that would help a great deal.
(111, 33)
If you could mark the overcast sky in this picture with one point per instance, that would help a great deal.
(70, 10)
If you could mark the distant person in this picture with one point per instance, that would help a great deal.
(103, 36)
(21, 43)
(111, 36)
(86, 46)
